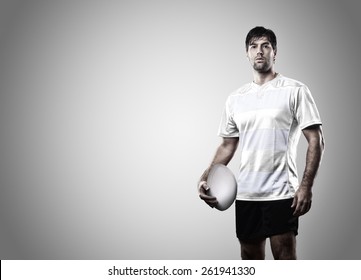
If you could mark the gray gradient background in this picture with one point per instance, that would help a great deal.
(109, 112)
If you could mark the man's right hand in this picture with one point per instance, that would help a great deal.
(202, 190)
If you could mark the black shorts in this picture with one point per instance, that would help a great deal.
(262, 219)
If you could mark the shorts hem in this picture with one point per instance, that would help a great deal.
(265, 236)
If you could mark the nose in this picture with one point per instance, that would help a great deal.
(259, 50)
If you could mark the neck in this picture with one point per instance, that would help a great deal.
(261, 78)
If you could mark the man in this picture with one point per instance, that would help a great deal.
(265, 119)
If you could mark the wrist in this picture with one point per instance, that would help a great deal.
(305, 186)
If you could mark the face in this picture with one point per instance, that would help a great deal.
(261, 55)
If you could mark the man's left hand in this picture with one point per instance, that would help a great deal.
(302, 201)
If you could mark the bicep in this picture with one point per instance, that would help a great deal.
(314, 134)
(230, 143)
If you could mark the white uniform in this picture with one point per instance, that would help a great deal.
(268, 120)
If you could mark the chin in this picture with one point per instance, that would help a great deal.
(262, 70)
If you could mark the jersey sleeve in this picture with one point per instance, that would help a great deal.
(228, 127)
(304, 109)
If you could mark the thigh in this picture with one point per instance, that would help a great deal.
(283, 246)
(253, 249)
(249, 220)
(278, 218)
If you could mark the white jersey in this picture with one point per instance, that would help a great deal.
(268, 120)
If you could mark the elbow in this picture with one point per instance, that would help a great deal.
(317, 139)
(321, 147)
(322, 143)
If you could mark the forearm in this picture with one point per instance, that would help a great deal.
(223, 155)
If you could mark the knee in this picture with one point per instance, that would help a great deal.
(252, 254)
(284, 254)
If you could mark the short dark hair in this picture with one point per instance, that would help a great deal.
(258, 32)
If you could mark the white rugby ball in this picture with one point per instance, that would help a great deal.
(222, 185)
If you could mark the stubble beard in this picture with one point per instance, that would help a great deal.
(262, 67)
